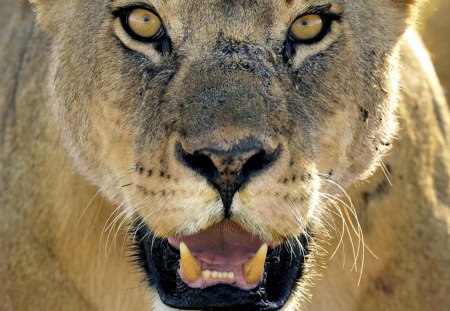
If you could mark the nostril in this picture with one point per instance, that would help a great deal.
(214, 165)
(200, 163)
(256, 164)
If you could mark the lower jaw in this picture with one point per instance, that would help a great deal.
(160, 261)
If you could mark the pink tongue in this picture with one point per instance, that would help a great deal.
(225, 243)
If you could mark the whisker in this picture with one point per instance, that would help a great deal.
(383, 168)
(357, 230)
(82, 214)
(342, 231)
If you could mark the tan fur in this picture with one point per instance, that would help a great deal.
(435, 31)
(405, 227)
(64, 240)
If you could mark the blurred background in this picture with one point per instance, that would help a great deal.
(435, 27)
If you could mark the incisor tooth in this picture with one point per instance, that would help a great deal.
(191, 266)
(254, 267)
(206, 275)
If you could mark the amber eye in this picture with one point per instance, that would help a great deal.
(143, 23)
(308, 27)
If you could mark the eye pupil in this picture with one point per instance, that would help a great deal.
(304, 23)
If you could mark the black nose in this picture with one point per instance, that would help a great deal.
(228, 170)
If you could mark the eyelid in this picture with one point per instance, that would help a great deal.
(120, 11)
(325, 10)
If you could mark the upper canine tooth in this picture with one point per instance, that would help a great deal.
(191, 266)
(254, 267)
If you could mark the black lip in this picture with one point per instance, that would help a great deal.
(160, 261)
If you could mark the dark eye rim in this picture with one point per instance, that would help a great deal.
(123, 13)
(327, 19)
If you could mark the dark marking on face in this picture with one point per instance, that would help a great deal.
(381, 190)
(366, 197)
(384, 285)
(139, 168)
(297, 200)
(439, 117)
(364, 113)
(389, 168)
(441, 181)
(143, 190)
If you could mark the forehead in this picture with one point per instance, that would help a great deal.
(228, 3)
(214, 8)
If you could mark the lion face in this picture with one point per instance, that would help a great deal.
(218, 126)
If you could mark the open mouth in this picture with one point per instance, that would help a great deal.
(221, 268)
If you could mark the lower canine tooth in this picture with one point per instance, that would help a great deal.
(254, 267)
(191, 266)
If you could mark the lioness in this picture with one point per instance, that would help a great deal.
(237, 155)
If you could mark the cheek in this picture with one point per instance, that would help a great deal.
(345, 148)
(335, 142)
(113, 137)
